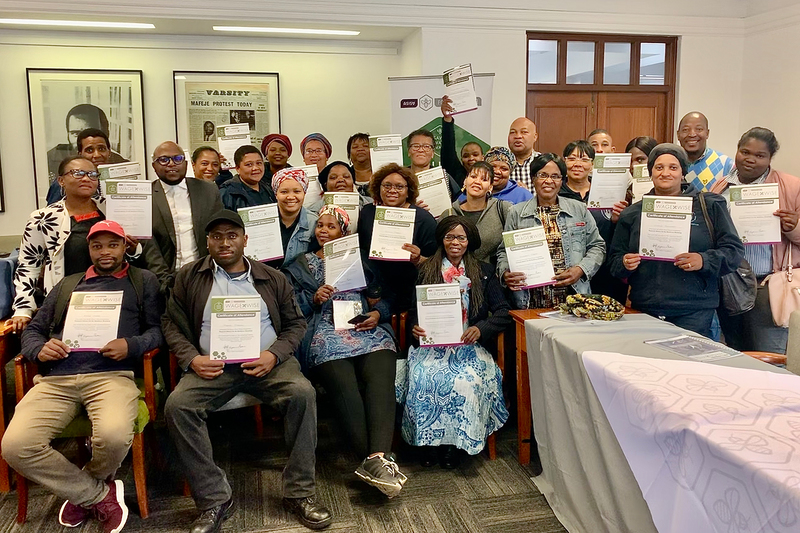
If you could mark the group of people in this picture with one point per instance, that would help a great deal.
(451, 396)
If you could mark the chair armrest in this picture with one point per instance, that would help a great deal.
(149, 383)
(402, 332)
(768, 357)
(501, 352)
(9, 344)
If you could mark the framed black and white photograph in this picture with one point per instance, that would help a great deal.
(64, 102)
(205, 100)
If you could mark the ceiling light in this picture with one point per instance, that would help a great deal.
(79, 23)
(285, 30)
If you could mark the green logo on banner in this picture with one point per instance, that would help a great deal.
(435, 126)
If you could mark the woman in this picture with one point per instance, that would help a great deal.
(579, 157)
(297, 224)
(576, 247)
(395, 186)
(54, 239)
(755, 330)
(248, 188)
(503, 187)
(347, 361)
(358, 152)
(487, 213)
(206, 165)
(277, 150)
(454, 395)
(685, 291)
(338, 177)
(316, 150)
(640, 148)
(471, 152)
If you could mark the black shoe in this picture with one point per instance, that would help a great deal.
(450, 457)
(429, 455)
(311, 514)
(210, 521)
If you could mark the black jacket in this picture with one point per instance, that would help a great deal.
(235, 194)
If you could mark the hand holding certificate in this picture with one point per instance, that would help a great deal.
(119, 171)
(385, 149)
(314, 190)
(235, 328)
(439, 314)
(610, 179)
(665, 227)
(262, 225)
(229, 138)
(130, 204)
(460, 87)
(349, 201)
(343, 268)
(92, 320)
(433, 190)
(529, 254)
(393, 227)
(753, 212)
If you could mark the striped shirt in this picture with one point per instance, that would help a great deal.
(758, 255)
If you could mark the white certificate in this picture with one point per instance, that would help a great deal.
(752, 208)
(343, 268)
(314, 191)
(665, 227)
(393, 227)
(641, 182)
(235, 328)
(608, 188)
(130, 204)
(611, 161)
(433, 190)
(92, 320)
(262, 226)
(229, 138)
(118, 171)
(344, 310)
(189, 167)
(439, 313)
(385, 149)
(460, 88)
(349, 201)
(528, 252)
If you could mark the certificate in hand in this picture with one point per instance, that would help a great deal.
(385, 149)
(343, 311)
(349, 201)
(262, 226)
(92, 320)
(235, 328)
(641, 182)
(393, 227)
(608, 188)
(439, 313)
(130, 204)
(612, 161)
(343, 268)
(314, 190)
(433, 190)
(460, 87)
(752, 208)
(229, 138)
(665, 227)
(119, 171)
(528, 252)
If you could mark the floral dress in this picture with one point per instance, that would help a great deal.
(453, 394)
(329, 344)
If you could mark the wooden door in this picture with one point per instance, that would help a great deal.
(627, 115)
(560, 117)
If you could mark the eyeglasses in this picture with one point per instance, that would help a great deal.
(417, 147)
(545, 177)
(391, 187)
(459, 238)
(572, 159)
(315, 151)
(91, 174)
(165, 159)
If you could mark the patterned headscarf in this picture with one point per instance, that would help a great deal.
(500, 153)
(338, 213)
(278, 138)
(291, 173)
(326, 144)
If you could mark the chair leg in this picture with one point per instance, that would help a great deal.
(187, 490)
(259, 421)
(5, 476)
(139, 476)
(22, 499)
(491, 446)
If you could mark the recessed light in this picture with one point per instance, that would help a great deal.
(79, 23)
(254, 29)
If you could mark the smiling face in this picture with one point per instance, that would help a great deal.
(226, 243)
(290, 196)
(521, 136)
(579, 165)
(251, 169)
(277, 155)
(394, 190)
(693, 134)
(455, 244)
(420, 150)
(667, 175)
(78, 188)
(478, 183)
(340, 179)
(752, 159)
(502, 173)
(471, 153)
(207, 166)
(327, 229)
(95, 150)
(314, 154)
(170, 172)
(547, 184)
(107, 252)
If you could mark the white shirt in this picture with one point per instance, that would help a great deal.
(181, 207)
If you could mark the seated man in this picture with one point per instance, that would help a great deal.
(274, 377)
(99, 381)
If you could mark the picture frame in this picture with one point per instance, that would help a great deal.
(207, 99)
(62, 102)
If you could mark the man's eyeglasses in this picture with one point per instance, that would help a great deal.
(545, 177)
(389, 187)
(459, 238)
(417, 147)
(91, 174)
(584, 160)
(165, 159)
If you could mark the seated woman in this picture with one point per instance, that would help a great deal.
(453, 395)
(755, 329)
(338, 177)
(297, 224)
(685, 291)
(576, 247)
(487, 213)
(348, 360)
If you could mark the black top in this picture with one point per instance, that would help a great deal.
(449, 155)
(76, 249)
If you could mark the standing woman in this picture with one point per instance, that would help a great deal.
(471, 152)
(755, 330)
(277, 150)
(347, 361)
(487, 213)
(454, 394)
(685, 291)
(358, 152)
(576, 247)
(297, 224)
(640, 148)
(395, 186)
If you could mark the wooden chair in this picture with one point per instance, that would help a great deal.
(491, 441)
(81, 427)
(9, 348)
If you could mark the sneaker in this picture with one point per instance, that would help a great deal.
(210, 521)
(111, 511)
(72, 515)
(311, 514)
(383, 474)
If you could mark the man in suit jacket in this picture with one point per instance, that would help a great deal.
(181, 210)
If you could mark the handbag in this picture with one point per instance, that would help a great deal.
(784, 292)
(738, 288)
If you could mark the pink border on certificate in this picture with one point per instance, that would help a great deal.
(553, 282)
(388, 259)
(670, 259)
(440, 345)
(270, 259)
(230, 361)
(84, 349)
(772, 242)
(464, 111)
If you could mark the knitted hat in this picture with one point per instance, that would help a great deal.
(669, 149)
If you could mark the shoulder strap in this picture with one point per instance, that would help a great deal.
(709, 224)
(501, 213)
(65, 289)
(137, 280)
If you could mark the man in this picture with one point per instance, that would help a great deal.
(521, 137)
(181, 209)
(421, 147)
(92, 144)
(101, 382)
(705, 165)
(601, 141)
(274, 377)
(248, 189)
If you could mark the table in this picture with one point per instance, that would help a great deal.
(586, 478)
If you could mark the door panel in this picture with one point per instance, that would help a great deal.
(560, 117)
(629, 115)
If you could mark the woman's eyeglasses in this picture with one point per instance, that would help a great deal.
(543, 177)
(80, 174)
(459, 238)
(391, 187)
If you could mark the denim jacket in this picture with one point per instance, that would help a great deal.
(300, 240)
(583, 245)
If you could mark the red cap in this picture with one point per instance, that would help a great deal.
(108, 226)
